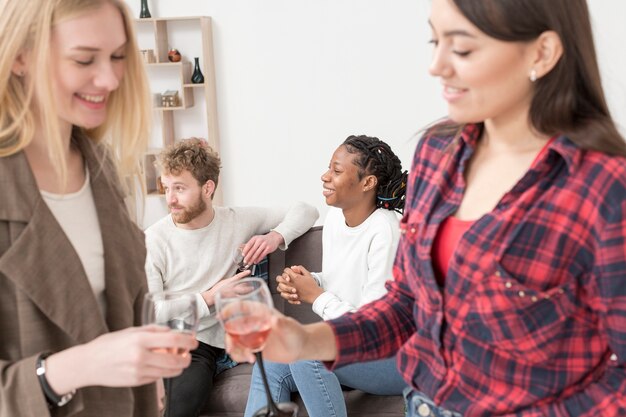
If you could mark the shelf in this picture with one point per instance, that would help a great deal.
(169, 19)
(166, 75)
(165, 64)
(171, 108)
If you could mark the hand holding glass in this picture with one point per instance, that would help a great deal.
(178, 311)
(245, 310)
(238, 259)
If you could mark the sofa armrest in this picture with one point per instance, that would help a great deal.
(306, 251)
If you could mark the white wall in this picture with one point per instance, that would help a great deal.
(295, 77)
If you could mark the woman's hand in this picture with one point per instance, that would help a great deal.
(286, 290)
(126, 358)
(284, 343)
(290, 341)
(298, 281)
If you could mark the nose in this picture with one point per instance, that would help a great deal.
(107, 77)
(170, 197)
(440, 66)
(324, 176)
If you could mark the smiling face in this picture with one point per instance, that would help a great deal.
(342, 187)
(87, 63)
(483, 78)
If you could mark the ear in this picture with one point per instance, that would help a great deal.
(548, 49)
(208, 189)
(19, 65)
(369, 183)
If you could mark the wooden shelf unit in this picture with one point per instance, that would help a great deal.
(187, 89)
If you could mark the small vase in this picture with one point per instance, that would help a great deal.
(197, 77)
(145, 12)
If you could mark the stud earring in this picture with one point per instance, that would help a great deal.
(533, 75)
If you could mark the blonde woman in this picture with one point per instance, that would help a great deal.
(73, 120)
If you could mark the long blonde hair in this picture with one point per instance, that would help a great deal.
(26, 102)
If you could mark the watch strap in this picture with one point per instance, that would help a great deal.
(54, 399)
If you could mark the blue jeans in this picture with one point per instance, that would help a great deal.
(419, 405)
(320, 388)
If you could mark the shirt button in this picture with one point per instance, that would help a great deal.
(533, 298)
(423, 410)
(498, 274)
(522, 294)
(412, 230)
(508, 284)
(614, 357)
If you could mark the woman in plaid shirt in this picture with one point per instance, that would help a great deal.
(509, 296)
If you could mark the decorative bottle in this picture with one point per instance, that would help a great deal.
(145, 12)
(197, 77)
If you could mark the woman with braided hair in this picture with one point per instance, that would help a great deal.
(365, 187)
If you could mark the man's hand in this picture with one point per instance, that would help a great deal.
(209, 295)
(259, 246)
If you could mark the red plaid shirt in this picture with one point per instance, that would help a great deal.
(532, 318)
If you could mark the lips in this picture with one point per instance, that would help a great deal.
(327, 191)
(93, 101)
(451, 93)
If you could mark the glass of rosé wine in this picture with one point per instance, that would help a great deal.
(176, 310)
(244, 308)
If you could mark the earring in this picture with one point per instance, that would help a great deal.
(533, 75)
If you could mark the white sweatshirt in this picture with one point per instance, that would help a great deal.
(357, 261)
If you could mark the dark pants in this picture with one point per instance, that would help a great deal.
(187, 392)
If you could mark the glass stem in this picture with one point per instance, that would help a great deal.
(271, 406)
(167, 382)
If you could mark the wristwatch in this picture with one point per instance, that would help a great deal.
(54, 399)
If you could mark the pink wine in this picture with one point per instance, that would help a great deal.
(248, 331)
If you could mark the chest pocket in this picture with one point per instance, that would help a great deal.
(513, 321)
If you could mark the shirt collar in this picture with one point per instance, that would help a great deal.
(561, 146)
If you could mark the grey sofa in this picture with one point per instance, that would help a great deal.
(230, 393)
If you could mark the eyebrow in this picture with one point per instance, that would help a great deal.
(92, 49)
(456, 32)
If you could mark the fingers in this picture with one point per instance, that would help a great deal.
(255, 249)
(302, 270)
(169, 340)
(238, 352)
(291, 273)
(284, 278)
(239, 275)
(290, 297)
(285, 288)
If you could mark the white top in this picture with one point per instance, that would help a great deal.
(195, 260)
(78, 217)
(357, 261)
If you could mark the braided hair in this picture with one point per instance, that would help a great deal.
(375, 157)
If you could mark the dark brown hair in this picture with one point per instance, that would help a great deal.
(194, 155)
(569, 99)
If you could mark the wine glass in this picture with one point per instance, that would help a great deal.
(179, 312)
(245, 310)
(238, 259)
